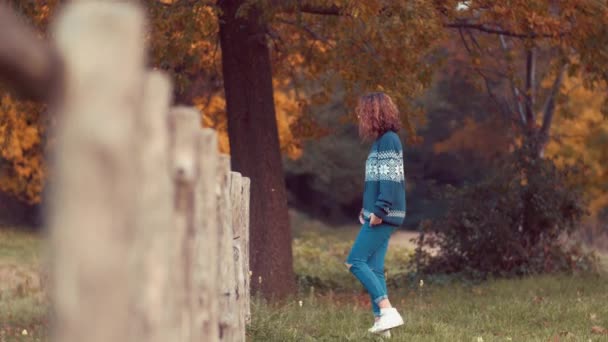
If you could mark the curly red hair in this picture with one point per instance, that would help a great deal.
(377, 115)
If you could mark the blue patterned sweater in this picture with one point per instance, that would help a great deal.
(384, 193)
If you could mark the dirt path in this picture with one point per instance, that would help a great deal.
(403, 239)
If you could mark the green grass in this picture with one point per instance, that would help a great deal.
(23, 305)
(533, 309)
(334, 307)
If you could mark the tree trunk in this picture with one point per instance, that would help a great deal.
(254, 146)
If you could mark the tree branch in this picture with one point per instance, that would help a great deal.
(549, 107)
(316, 9)
(463, 24)
(334, 10)
(514, 90)
(184, 2)
(487, 82)
(314, 35)
(473, 39)
(306, 7)
(530, 84)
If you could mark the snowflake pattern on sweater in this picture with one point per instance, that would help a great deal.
(391, 213)
(385, 165)
(384, 193)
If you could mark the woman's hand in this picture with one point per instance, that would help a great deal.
(374, 220)
(361, 218)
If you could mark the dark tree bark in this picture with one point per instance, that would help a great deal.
(254, 145)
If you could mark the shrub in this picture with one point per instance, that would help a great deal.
(510, 223)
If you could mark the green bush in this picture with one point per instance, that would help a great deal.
(511, 223)
(319, 262)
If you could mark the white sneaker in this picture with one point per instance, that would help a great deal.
(389, 319)
(383, 334)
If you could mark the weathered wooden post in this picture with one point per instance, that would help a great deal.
(185, 154)
(204, 299)
(246, 197)
(154, 217)
(236, 193)
(226, 269)
(93, 198)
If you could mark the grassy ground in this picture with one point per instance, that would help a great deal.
(543, 308)
(332, 306)
(22, 302)
(547, 308)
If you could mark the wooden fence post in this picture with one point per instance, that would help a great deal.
(150, 289)
(236, 193)
(93, 193)
(185, 152)
(206, 286)
(246, 197)
(226, 274)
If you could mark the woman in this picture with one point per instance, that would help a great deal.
(383, 204)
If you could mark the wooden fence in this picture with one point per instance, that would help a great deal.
(149, 228)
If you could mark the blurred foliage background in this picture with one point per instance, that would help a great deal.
(476, 81)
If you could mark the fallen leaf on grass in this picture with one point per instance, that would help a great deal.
(596, 329)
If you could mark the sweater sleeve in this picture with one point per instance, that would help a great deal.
(390, 171)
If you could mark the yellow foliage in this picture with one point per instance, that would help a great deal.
(288, 113)
(582, 136)
(213, 109)
(22, 168)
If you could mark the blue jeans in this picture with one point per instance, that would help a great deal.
(366, 260)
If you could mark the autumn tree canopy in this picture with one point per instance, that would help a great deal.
(520, 51)
(317, 46)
